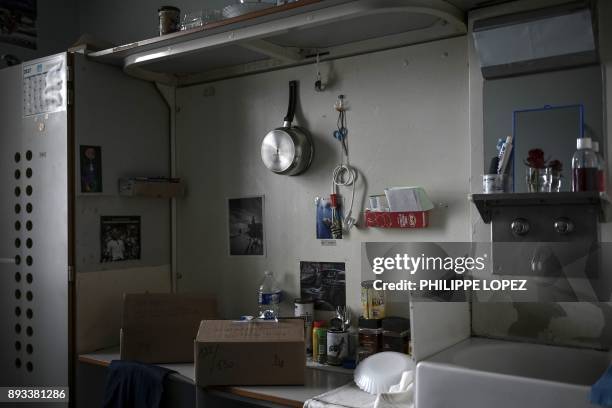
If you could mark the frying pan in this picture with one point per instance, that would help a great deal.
(288, 149)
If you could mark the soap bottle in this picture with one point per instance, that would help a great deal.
(584, 166)
(601, 169)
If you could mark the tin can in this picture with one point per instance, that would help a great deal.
(304, 308)
(337, 346)
(169, 19)
(319, 342)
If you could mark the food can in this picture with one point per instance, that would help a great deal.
(319, 342)
(372, 301)
(304, 308)
(169, 19)
(337, 346)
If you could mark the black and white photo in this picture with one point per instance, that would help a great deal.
(324, 283)
(120, 238)
(246, 226)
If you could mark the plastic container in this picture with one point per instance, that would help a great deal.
(370, 337)
(372, 301)
(601, 169)
(319, 341)
(396, 335)
(269, 297)
(584, 166)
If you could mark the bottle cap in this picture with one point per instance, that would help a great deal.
(595, 146)
(584, 143)
(319, 323)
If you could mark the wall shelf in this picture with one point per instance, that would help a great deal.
(486, 203)
(283, 36)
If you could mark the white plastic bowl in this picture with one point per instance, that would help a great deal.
(377, 373)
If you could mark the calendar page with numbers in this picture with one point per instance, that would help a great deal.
(44, 87)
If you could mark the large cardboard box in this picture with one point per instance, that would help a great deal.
(160, 328)
(250, 353)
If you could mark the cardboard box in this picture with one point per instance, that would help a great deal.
(250, 353)
(160, 328)
(159, 188)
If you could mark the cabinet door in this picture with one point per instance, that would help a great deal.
(34, 224)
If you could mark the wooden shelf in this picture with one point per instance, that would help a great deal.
(283, 36)
(485, 203)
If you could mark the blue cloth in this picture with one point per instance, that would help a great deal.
(601, 391)
(134, 385)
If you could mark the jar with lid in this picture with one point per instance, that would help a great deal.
(396, 334)
(370, 337)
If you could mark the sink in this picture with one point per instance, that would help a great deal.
(485, 373)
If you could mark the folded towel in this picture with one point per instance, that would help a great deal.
(601, 392)
(134, 385)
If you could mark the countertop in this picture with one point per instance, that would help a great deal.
(317, 381)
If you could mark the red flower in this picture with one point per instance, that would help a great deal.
(536, 159)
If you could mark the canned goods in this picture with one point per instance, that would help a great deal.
(337, 346)
(319, 342)
(304, 308)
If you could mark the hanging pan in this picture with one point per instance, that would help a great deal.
(288, 149)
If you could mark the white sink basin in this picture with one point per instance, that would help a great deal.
(483, 373)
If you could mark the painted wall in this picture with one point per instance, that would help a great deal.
(126, 117)
(121, 22)
(577, 324)
(407, 126)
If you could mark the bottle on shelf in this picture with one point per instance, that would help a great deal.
(269, 297)
(601, 169)
(584, 166)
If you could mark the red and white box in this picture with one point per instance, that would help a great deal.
(403, 219)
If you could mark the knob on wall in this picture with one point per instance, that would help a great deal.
(563, 226)
(519, 226)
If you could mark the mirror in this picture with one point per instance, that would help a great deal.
(546, 111)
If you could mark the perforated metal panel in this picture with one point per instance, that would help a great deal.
(34, 224)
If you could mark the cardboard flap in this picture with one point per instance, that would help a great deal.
(165, 310)
(250, 332)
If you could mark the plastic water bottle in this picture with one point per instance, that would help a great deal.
(269, 297)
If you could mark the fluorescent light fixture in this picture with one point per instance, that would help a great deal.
(535, 41)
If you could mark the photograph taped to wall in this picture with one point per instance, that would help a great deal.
(246, 226)
(18, 23)
(120, 238)
(324, 217)
(323, 282)
(91, 169)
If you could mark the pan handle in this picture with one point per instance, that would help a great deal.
(292, 102)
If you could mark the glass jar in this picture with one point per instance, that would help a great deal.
(370, 337)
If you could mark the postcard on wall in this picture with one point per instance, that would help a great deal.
(18, 23)
(323, 282)
(91, 169)
(246, 226)
(324, 220)
(120, 238)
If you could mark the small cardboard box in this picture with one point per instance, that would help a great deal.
(250, 353)
(160, 328)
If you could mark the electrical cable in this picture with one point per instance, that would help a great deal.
(344, 175)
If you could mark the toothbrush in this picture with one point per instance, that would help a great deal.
(504, 155)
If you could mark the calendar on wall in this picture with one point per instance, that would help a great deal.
(44, 87)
